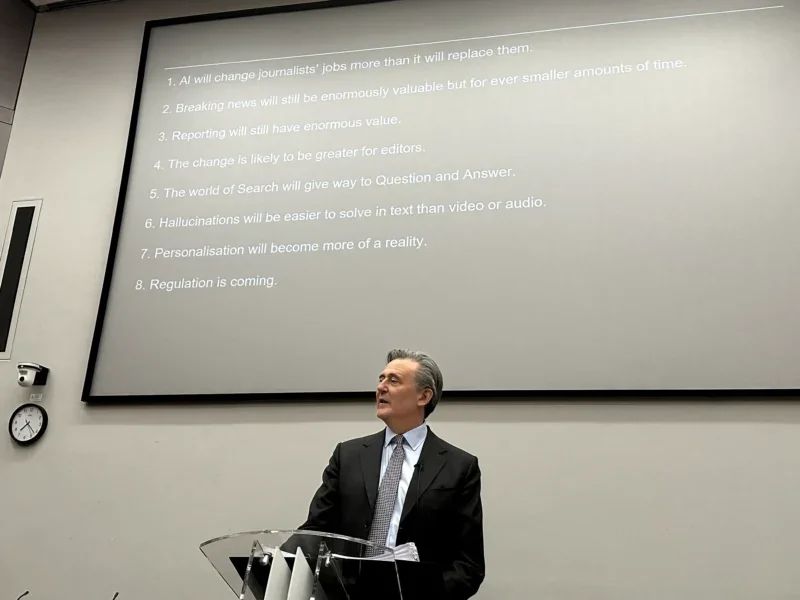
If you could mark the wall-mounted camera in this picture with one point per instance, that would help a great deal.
(30, 374)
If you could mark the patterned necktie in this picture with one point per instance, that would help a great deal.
(387, 497)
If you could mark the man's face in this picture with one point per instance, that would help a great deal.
(397, 396)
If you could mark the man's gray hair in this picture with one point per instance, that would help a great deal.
(428, 374)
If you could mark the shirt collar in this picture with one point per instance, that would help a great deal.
(414, 438)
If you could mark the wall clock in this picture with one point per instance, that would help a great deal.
(27, 424)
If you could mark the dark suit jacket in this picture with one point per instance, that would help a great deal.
(442, 512)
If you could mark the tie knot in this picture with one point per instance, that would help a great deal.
(399, 439)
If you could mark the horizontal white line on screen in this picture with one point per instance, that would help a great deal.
(472, 39)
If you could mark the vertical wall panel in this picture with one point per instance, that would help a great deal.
(5, 134)
(16, 26)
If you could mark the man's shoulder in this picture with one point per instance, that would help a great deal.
(360, 442)
(454, 451)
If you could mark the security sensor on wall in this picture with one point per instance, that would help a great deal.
(30, 374)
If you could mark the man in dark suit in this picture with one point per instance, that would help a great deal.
(405, 484)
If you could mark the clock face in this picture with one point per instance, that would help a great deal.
(27, 423)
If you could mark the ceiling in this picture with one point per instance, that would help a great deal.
(47, 5)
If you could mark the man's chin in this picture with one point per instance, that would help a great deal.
(383, 410)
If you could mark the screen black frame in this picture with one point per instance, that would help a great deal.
(624, 395)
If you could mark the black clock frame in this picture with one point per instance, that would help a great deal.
(35, 438)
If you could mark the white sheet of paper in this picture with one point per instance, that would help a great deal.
(279, 577)
(301, 584)
(407, 551)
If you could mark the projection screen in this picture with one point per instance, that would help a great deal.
(544, 196)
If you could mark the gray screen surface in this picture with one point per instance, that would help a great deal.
(560, 195)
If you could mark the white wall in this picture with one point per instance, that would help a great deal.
(583, 501)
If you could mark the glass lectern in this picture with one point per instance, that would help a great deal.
(304, 565)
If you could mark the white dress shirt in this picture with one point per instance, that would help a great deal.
(413, 448)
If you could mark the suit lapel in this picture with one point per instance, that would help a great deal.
(371, 465)
(432, 458)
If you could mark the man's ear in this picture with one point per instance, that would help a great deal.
(427, 394)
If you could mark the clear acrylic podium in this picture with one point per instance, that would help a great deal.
(304, 565)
